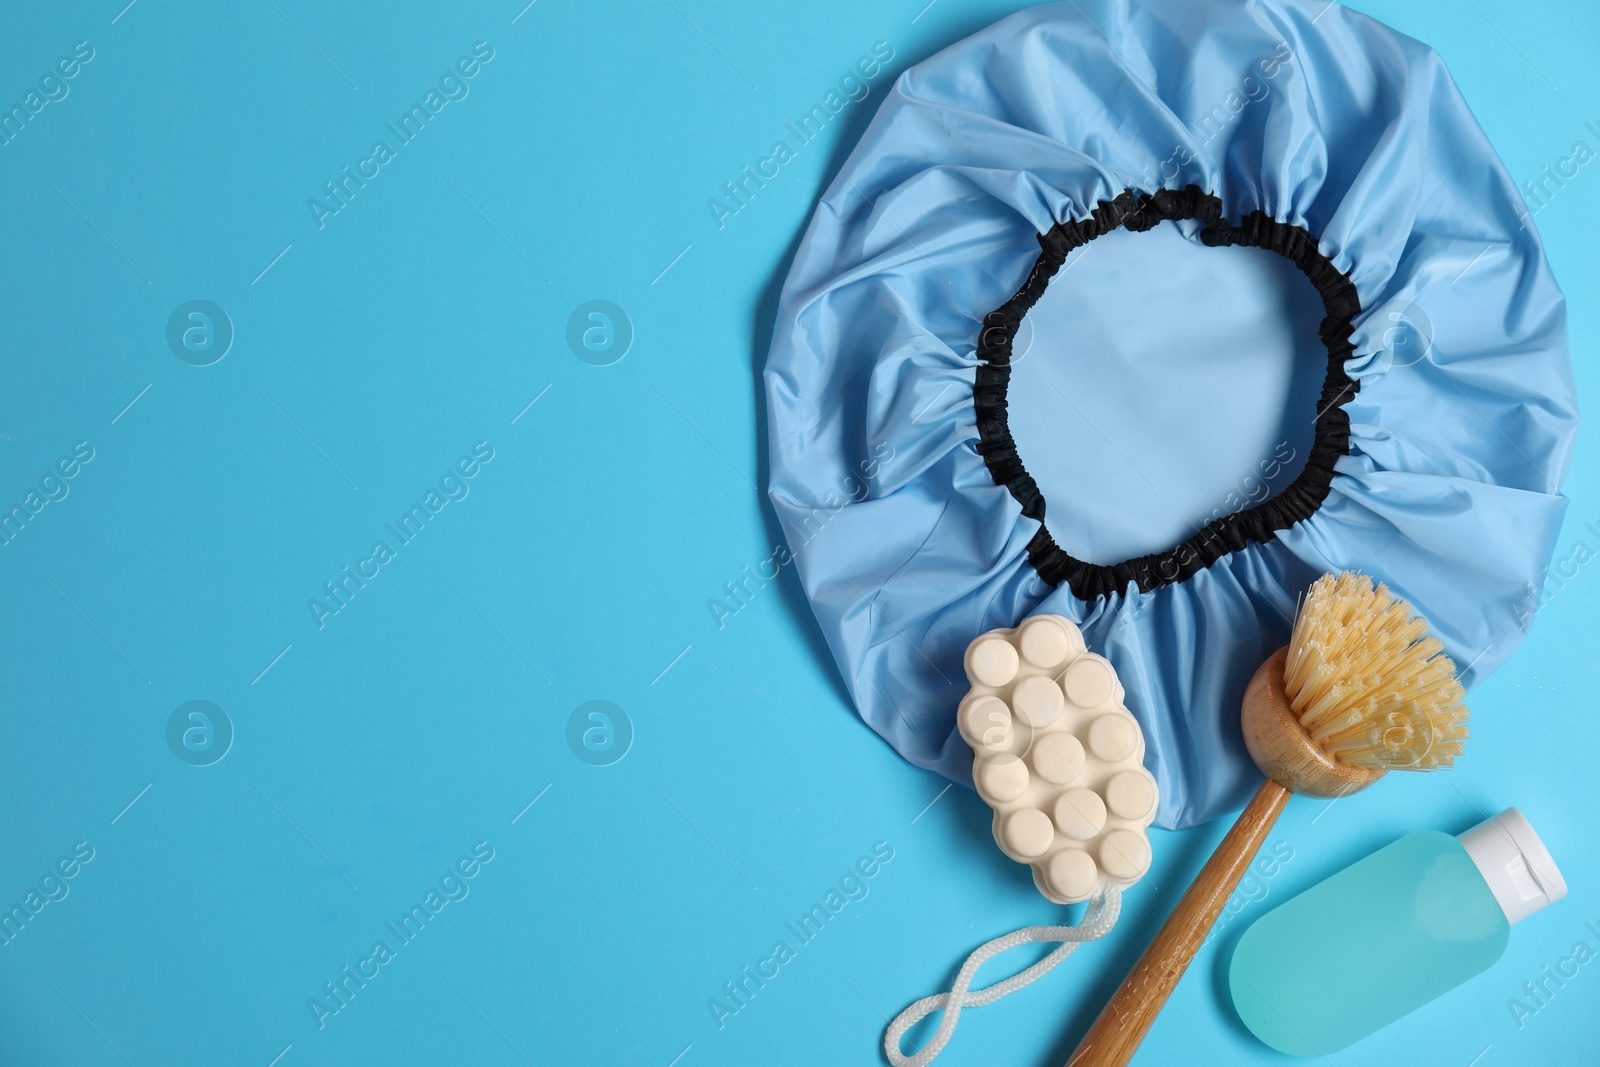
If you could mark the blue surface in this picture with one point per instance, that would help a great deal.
(369, 756)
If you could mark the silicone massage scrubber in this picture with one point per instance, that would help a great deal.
(1059, 758)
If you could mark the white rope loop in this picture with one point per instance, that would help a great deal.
(1098, 920)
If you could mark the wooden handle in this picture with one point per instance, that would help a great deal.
(1121, 1026)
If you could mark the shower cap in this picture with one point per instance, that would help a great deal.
(1239, 288)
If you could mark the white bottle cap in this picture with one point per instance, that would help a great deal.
(1515, 863)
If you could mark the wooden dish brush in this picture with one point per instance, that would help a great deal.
(1360, 689)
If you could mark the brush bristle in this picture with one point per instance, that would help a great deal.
(1367, 682)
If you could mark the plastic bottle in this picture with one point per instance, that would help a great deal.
(1388, 934)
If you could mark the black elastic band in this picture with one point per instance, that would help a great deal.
(1299, 500)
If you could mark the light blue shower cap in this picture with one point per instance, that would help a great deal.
(1240, 288)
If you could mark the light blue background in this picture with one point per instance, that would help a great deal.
(426, 715)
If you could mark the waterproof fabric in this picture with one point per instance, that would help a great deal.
(907, 526)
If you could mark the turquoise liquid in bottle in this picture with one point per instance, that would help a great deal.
(1388, 934)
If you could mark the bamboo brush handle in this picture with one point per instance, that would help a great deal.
(1122, 1024)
